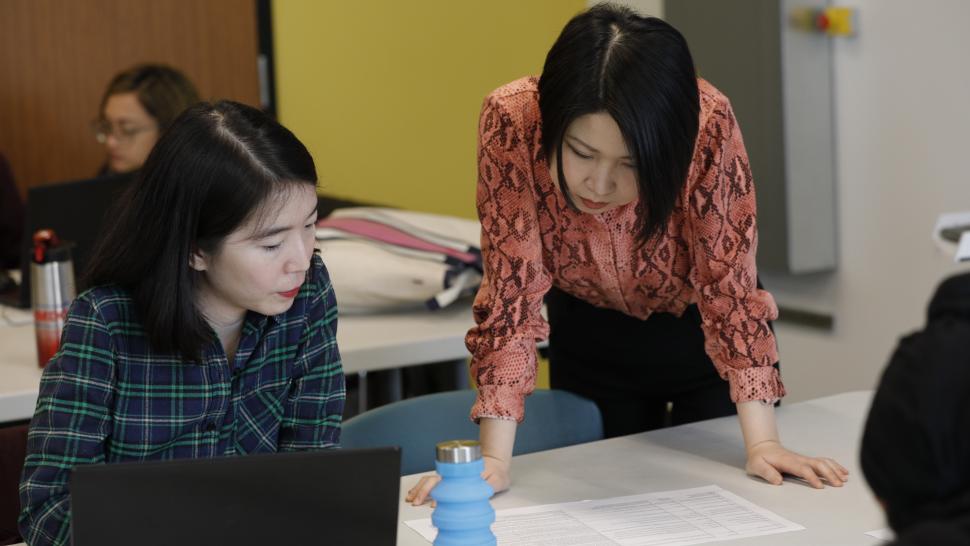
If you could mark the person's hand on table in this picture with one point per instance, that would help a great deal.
(769, 460)
(497, 473)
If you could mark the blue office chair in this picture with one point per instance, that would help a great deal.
(553, 419)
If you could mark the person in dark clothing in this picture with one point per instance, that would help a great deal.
(916, 445)
(11, 218)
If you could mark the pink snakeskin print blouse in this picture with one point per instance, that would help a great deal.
(531, 239)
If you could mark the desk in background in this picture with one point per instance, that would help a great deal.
(367, 343)
(705, 453)
(19, 374)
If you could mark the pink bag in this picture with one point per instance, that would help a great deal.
(386, 259)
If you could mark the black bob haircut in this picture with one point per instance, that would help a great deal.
(218, 166)
(639, 71)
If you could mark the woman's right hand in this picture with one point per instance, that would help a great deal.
(497, 473)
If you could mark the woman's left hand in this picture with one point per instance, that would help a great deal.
(769, 460)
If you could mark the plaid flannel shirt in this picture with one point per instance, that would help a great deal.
(107, 397)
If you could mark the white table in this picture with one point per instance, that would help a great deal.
(709, 452)
(379, 342)
(367, 343)
(19, 374)
(705, 453)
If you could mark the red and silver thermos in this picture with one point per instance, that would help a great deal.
(51, 291)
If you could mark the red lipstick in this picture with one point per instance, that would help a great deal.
(594, 205)
(290, 293)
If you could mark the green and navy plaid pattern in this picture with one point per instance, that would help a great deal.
(108, 397)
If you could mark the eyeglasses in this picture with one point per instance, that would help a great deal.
(102, 129)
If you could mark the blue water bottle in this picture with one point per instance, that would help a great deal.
(462, 512)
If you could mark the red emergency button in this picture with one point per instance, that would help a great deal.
(822, 22)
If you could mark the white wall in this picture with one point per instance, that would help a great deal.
(902, 119)
(902, 96)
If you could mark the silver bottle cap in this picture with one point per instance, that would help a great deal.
(458, 451)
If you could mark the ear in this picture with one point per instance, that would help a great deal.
(198, 260)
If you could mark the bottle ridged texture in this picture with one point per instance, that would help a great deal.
(463, 513)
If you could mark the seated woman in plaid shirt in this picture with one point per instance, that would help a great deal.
(211, 329)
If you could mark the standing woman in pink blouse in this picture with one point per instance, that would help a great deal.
(617, 187)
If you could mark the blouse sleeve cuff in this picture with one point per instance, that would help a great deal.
(499, 402)
(756, 383)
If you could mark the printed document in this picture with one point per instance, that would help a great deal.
(670, 518)
(883, 534)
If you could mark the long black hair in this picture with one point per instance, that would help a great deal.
(639, 71)
(217, 166)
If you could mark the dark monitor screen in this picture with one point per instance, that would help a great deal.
(76, 211)
(333, 497)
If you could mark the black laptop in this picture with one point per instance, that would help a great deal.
(77, 211)
(333, 497)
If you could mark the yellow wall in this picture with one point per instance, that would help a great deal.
(386, 93)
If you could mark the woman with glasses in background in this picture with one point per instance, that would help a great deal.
(138, 105)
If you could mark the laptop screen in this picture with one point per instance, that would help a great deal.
(76, 212)
(339, 496)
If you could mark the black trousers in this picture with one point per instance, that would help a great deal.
(643, 374)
